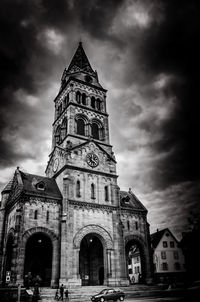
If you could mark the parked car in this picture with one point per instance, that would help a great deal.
(109, 294)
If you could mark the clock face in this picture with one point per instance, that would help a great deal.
(92, 159)
(55, 165)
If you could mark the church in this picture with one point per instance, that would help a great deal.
(74, 226)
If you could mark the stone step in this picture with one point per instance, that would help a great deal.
(83, 293)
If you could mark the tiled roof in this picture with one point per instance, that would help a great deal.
(129, 200)
(40, 185)
(8, 186)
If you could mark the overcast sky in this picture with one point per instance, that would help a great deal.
(147, 57)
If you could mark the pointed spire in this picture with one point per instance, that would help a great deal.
(80, 61)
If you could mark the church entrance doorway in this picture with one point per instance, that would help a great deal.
(134, 261)
(38, 259)
(91, 263)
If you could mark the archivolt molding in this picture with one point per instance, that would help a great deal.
(100, 232)
(43, 230)
(136, 238)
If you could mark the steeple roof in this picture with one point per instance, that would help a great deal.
(80, 61)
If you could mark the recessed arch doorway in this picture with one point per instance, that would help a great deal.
(91, 260)
(135, 261)
(38, 258)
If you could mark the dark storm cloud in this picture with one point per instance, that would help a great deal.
(25, 61)
(172, 48)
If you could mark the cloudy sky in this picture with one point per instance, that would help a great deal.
(147, 56)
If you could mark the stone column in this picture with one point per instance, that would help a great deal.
(109, 263)
(55, 264)
(63, 251)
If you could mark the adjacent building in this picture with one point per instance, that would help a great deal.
(168, 258)
(74, 226)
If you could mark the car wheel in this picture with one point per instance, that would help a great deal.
(121, 298)
(102, 299)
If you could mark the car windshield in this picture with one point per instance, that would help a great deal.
(104, 291)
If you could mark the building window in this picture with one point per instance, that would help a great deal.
(176, 255)
(67, 99)
(163, 255)
(36, 214)
(106, 193)
(164, 266)
(165, 244)
(136, 225)
(78, 97)
(93, 102)
(58, 135)
(78, 188)
(128, 225)
(64, 129)
(83, 99)
(80, 126)
(177, 266)
(130, 271)
(95, 131)
(47, 217)
(171, 243)
(98, 102)
(92, 191)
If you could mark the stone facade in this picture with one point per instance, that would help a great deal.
(78, 210)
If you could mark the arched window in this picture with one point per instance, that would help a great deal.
(95, 131)
(80, 126)
(84, 99)
(136, 225)
(93, 102)
(58, 135)
(92, 191)
(78, 97)
(106, 193)
(67, 98)
(98, 102)
(78, 188)
(64, 129)
(60, 109)
(36, 214)
(47, 217)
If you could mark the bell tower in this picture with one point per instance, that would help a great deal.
(80, 129)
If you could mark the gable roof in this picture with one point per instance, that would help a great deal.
(128, 200)
(157, 236)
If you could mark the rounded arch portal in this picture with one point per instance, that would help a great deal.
(94, 246)
(47, 248)
(100, 232)
(135, 259)
(38, 258)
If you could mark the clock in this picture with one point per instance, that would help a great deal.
(92, 159)
(55, 165)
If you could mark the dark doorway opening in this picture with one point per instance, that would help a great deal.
(91, 266)
(38, 258)
(134, 262)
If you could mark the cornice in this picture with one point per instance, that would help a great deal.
(89, 205)
(72, 167)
